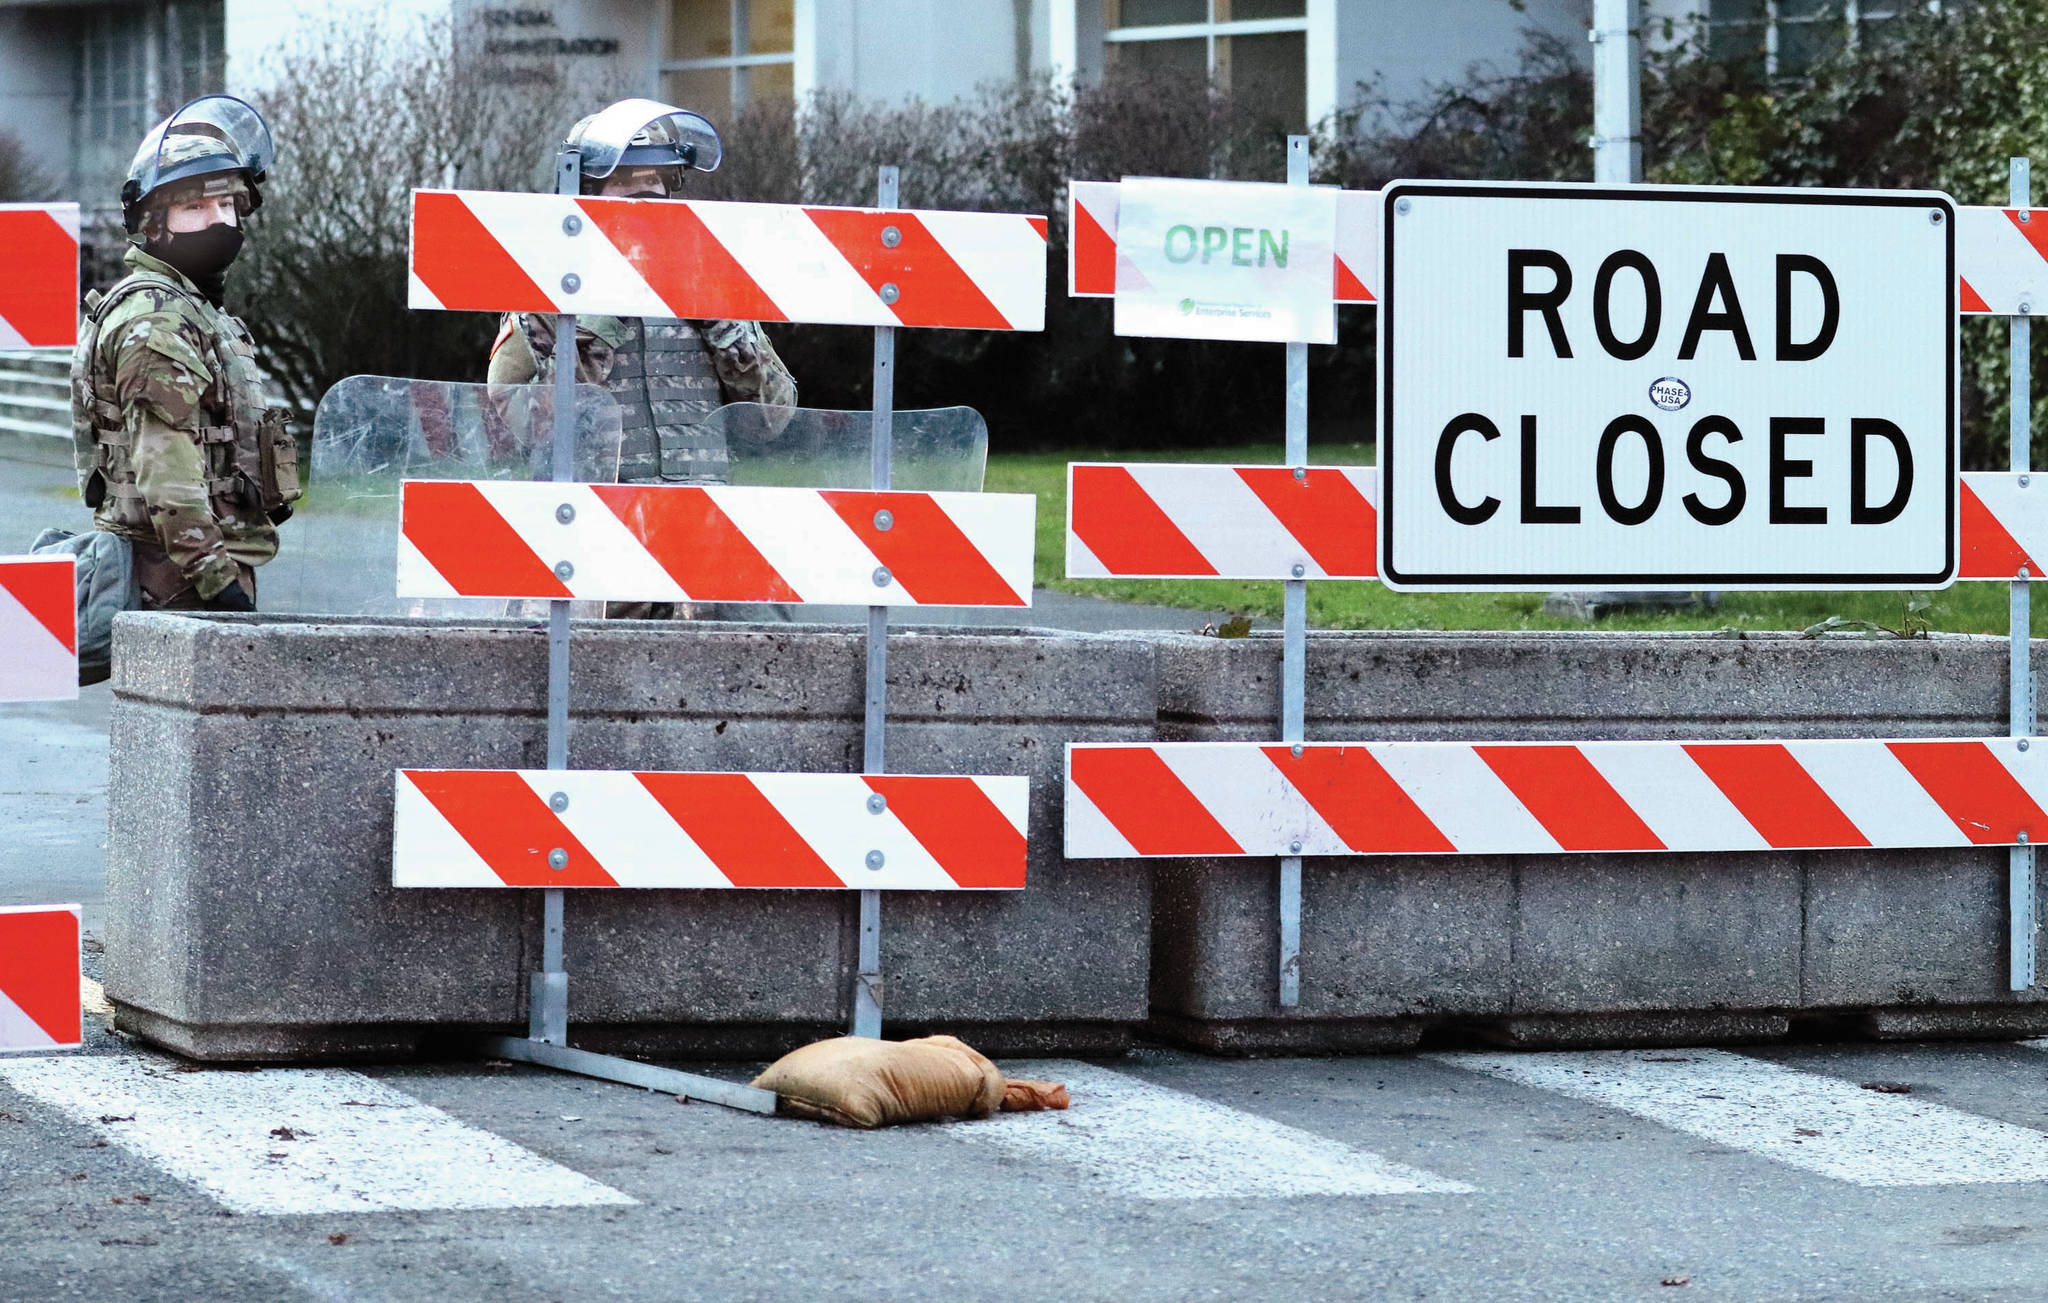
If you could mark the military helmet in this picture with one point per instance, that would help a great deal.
(644, 133)
(211, 137)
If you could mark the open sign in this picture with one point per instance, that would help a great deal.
(1667, 388)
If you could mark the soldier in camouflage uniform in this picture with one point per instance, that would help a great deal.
(177, 450)
(667, 375)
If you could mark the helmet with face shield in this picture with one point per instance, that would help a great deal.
(637, 133)
(215, 145)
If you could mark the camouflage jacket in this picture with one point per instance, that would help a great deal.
(667, 377)
(175, 443)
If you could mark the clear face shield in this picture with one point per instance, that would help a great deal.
(238, 127)
(647, 133)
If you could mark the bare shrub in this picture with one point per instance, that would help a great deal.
(1531, 122)
(22, 179)
(365, 111)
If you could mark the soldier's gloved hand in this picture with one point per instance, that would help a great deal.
(232, 598)
(736, 339)
(280, 513)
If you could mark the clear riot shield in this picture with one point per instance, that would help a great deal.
(339, 552)
(234, 123)
(936, 449)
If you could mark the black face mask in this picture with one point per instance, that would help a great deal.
(646, 194)
(203, 256)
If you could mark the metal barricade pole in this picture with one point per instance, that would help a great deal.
(1294, 631)
(867, 984)
(546, 1042)
(548, 1005)
(2020, 869)
(1617, 92)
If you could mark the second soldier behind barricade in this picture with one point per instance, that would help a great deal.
(177, 449)
(667, 375)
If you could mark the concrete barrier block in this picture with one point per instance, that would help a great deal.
(1583, 949)
(251, 912)
(1907, 928)
(1387, 938)
(250, 916)
(1615, 933)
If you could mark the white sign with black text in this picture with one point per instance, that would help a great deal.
(1667, 388)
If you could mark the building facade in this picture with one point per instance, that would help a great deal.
(80, 80)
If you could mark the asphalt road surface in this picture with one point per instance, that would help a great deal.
(1837, 1172)
(1464, 1175)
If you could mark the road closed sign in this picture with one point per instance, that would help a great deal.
(1667, 388)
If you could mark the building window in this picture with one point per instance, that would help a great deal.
(727, 54)
(1787, 36)
(195, 49)
(1255, 48)
(136, 64)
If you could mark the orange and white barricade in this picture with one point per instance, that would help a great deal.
(1541, 798)
(1162, 520)
(39, 294)
(38, 628)
(558, 828)
(1300, 521)
(40, 1005)
(40, 1008)
(706, 260)
(2001, 253)
(716, 543)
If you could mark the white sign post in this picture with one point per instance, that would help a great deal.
(1667, 388)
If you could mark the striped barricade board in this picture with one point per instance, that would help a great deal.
(40, 1006)
(1164, 520)
(1160, 520)
(2004, 525)
(499, 252)
(39, 293)
(2001, 253)
(2002, 261)
(1091, 242)
(38, 629)
(599, 828)
(1539, 798)
(719, 543)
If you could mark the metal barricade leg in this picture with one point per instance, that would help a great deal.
(1294, 630)
(2020, 866)
(546, 1042)
(867, 983)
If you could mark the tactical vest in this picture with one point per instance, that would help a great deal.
(665, 384)
(250, 460)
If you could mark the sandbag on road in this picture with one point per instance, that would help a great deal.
(857, 1082)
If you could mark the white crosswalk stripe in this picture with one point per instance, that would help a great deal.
(1818, 1123)
(1144, 1141)
(296, 1140)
